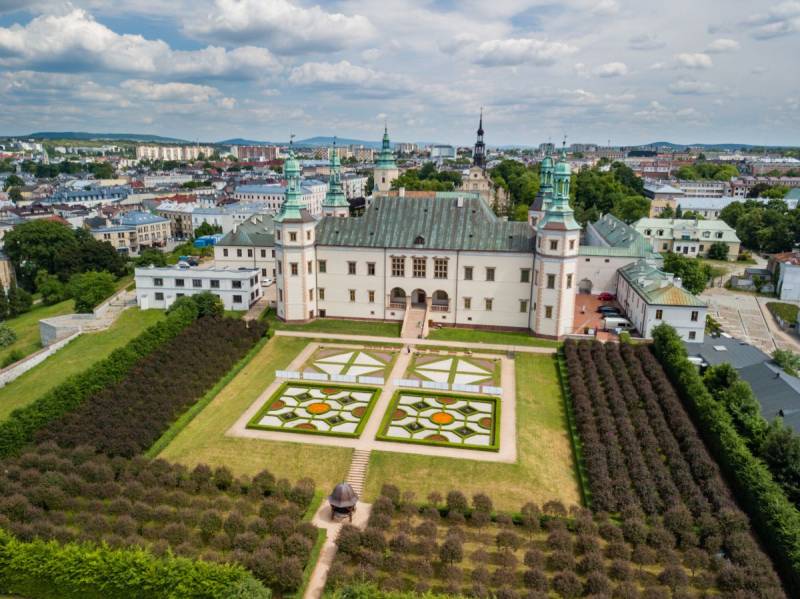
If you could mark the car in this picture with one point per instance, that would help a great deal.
(608, 310)
(606, 297)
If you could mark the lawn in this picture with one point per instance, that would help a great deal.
(334, 325)
(787, 312)
(479, 336)
(545, 468)
(26, 326)
(75, 357)
(204, 440)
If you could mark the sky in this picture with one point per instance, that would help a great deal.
(624, 71)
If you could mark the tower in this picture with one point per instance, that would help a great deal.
(295, 251)
(335, 203)
(545, 193)
(479, 152)
(555, 266)
(385, 170)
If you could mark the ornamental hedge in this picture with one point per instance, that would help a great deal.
(18, 430)
(774, 517)
(44, 569)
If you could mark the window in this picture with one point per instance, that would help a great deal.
(351, 268)
(467, 273)
(718, 235)
(659, 314)
(648, 231)
(569, 281)
(551, 281)
(371, 296)
(419, 267)
(293, 266)
(280, 295)
(523, 305)
(548, 311)
(273, 253)
(706, 234)
(695, 315)
(322, 266)
(158, 282)
(536, 277)
(398, 266)
(308, 235)
(419, 240)
(321, 293)
(525, 275)
(554, 244)
(310, 267)
(179, 283)
(237, 299)
(467, 303)
(263, 272)
(263, 253)
(311, 295)
(489, 303)
(214, 283)
(439, 268)
(238, 253)
(692, 335)
(236, 284)
(197, 283)
(280, 268)
(159, 295)
(292, 236)
(225, 252)
(664, 246)
(249, 252)
(660, 232)
(490, 273)
(572, 244)
(371, 269)
(352, 295)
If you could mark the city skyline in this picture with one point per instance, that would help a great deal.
(602, 70)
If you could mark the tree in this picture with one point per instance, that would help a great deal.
(90, 288)
(788, 360)
(19, 300)
(207, 229)
(7, 335)
(5, 310)
(781, 451)
(631, 208)
(13, 181)
(41, 245)
(151, 256)
(102, 170)
(667, 212)
(15, 195)
(694, 274)
(718, 251)
(98, 255)
(50, 288)
(451, 551)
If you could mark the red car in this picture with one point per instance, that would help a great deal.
(606, 297)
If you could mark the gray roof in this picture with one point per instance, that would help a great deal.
(439, 222)
(258, 230)
(140, 218)
(621, 240)
(718, 350)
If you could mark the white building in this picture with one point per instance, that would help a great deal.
(228, 216)
(313, 192)
(165, 180)
(250, 244)
(157, 152)
(159, 287)
(787, 265)
(701, 187)
(443, 152)
(354, 185)
(688, 236)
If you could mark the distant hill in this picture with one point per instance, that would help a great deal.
(240, 141)
(725, 146)
(84, 135)
(341, 141)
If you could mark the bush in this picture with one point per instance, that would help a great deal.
(90, 289)
(718, 251)
(7, 335)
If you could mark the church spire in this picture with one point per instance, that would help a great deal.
(479, 153)
(293, 197)
(335, 201)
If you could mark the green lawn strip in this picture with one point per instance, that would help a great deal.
(277, 395)
(198, 407)
(786, 312)
(387, 419)
(313, 557)
(575, 440)
(78, 355)
(496, 337)
(372, 328)
(204, 440)
(545, 467)
(26, 326)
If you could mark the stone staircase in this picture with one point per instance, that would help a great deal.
(357, 476)
(414, 323)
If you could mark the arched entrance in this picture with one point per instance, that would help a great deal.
(418, 298)
(585, 286)
(440, 301)
(397, 297)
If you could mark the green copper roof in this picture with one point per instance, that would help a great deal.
(292, 204)
(386, 157)
(334, 198)
(258, 230)
(656, 287)
(437, 223)
(558, 213)
(619, 239)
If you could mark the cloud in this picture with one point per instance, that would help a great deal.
(646, 41)
(605, 7)
(458, 43)
(611, 69)
(183, 92)
(781, 19)
(656, 112)
(347, 76)
(75, 42)
(722, 45)
(283, 25)
(512, 52)
(691, 87)
(697, 60)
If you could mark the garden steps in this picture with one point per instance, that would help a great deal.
(357, 475)
(414, 322)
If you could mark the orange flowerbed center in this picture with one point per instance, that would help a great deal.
(442, 418)
(318, 408)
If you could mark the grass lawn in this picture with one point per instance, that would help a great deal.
(479, 336)
(77, 356)
(337, 326)
(545, 468)
(26, 326)
(788, 312)
(204, 441)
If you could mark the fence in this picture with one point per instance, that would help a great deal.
(334, 378)
(380, 381)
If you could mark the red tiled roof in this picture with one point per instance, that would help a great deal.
(787, 258)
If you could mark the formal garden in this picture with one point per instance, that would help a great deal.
(459, 370)
(355, 362)
(442, 419)
(318, 409)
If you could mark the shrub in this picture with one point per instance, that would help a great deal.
(90, 289)
(457, 502)
(7, 334)
(567, 584)
(451, 551)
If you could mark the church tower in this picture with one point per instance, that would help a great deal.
(479, 152)
(335, 203)
(295, 251)
(555, 267)
(385, 170)
(545, 193)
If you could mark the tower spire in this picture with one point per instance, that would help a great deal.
(479, 152)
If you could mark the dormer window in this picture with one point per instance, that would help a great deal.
(419, 240)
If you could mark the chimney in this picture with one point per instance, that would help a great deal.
(402, 192)
(460, 201)
(677, 282)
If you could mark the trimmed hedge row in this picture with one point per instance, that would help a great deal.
(772, 514)
(19, 428)
(44, 570)
(370, 591)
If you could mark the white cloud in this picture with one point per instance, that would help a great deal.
(282, 25)
(697, 60)
(182, 92)
(781, 19)
(722, 45)
(646, 41)
(343, 74)
(457, 43)
(611, 69)
(76, 42)
(691, 87)
(604, 7)
(512, 52)
(656, 112)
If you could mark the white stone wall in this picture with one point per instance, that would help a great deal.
(19, 368)
(645, 316)
(789, 282)
(262, 258)
(562, 263)
(294, 291)
(601, 271)
(151, 295)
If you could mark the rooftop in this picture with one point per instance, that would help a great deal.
(670, 227)
(258, 231)
(656, 287)
(136, 217)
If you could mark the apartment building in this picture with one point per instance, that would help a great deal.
(688, 236)
(159, 287)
